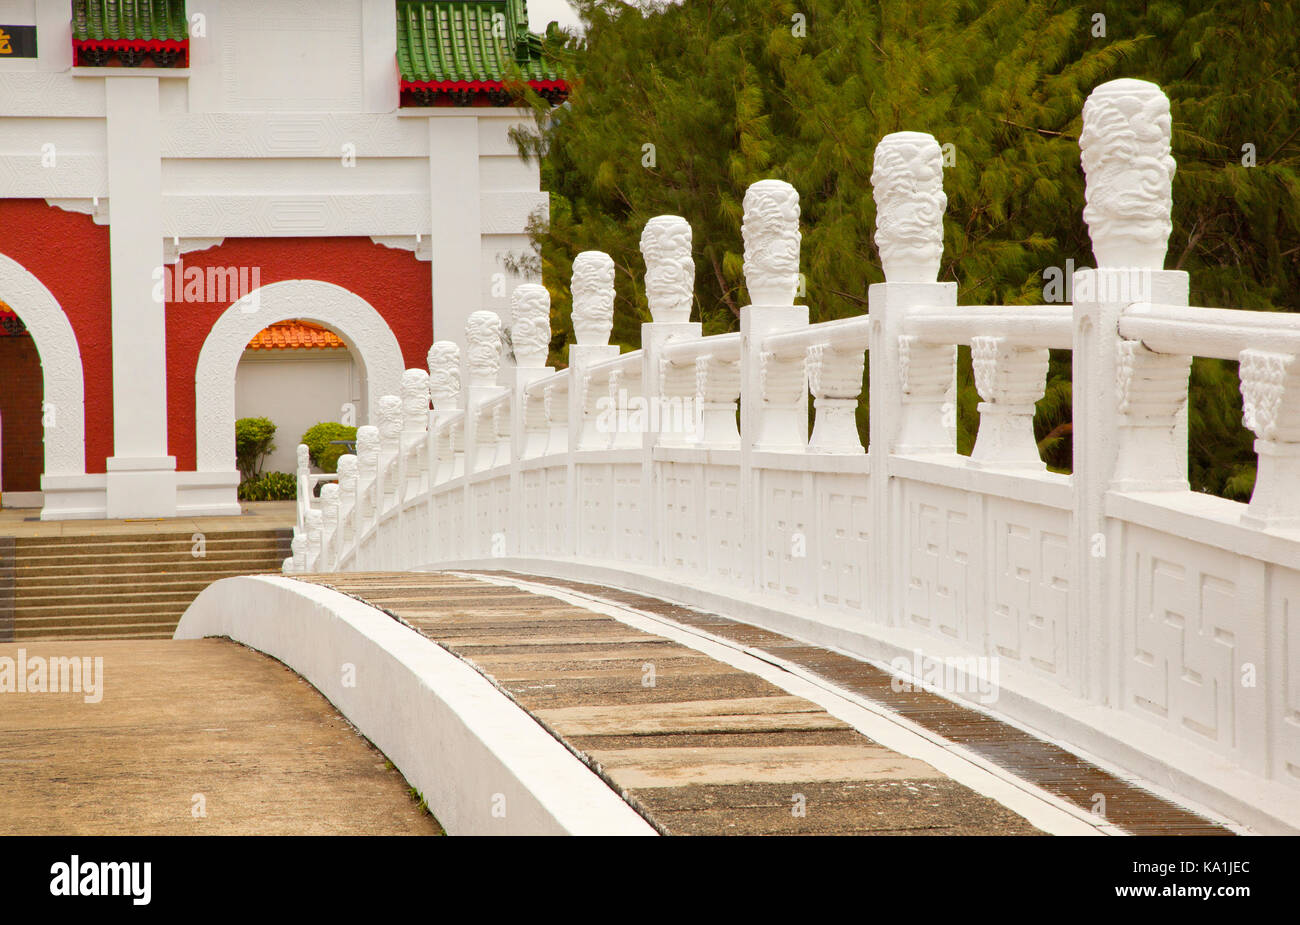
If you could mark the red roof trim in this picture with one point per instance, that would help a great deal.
(478, 85)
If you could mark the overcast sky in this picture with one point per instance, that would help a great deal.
(540, 12)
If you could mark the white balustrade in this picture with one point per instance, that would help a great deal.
(1114, 586)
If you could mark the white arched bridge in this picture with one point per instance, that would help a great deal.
(1112, 611)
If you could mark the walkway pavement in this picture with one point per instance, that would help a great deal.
(185, 726)
(257, 515)
(694, 744)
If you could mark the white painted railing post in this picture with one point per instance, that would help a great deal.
(593, 319)
(347, 469)
(329, 512)
(1270, 391)
(415, 463)
(670, 292)
(483, 349)
(530, 332)
(388, 414)
(367, 508)
(912, 384)
(1129, 403)
(774, 405)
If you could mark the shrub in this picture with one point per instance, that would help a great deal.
(273, 486)
(254, 439)
(325, 455)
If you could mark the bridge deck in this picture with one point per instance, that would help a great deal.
(701, 747)
(268, 754)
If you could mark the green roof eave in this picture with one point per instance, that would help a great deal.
(446, 41)
(129, 20)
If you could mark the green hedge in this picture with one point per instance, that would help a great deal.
(271, 486)
(324, 454)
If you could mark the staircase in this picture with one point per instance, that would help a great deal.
(126, 586)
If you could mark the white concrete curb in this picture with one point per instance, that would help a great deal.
(484, 766)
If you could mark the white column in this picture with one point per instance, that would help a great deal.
(141, 476)
(455, 243)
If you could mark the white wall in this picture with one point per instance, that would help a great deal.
(295, 389)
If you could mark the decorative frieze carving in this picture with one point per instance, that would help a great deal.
(530, 325)
(770, 229)
(483, 337)
(669, 268)
(907, 184)
(593, 297)
(415, 401)
(444, 374)
(1129, 173)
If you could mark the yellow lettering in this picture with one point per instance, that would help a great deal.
(5, 47)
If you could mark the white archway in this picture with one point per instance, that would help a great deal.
(353, 318)
(64, 411)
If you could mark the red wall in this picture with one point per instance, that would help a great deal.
(393, 281)
(68, 252)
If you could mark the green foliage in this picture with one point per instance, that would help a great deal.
(254, 440)
(728, 93)
(324, 454)
(271, 486)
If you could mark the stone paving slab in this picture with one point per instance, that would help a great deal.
(182, 717)
(708, 749)
(1128, 805)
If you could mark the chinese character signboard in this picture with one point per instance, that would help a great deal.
(17, 42)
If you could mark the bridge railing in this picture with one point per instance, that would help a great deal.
(1113, 586)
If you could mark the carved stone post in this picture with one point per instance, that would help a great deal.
(444, 389)
(299, 546)
(593, 318)
(304, 483)
(530, 325)
(912, 384)
(367, 508)
(329, 512)
(1011, 380)
(348, 471)
(1129, 404)
(314, 540)
(1270, 391)
(778, 419)
(483, 335)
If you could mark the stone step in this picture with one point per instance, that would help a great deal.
(93, 595)
(171, 603)
(85, 633)
(144, 567)
(41, 543)
(111, 582)
(169, 617)
(154, 550)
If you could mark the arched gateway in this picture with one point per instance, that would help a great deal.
(354, 319)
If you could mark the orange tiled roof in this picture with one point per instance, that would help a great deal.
(295, 335)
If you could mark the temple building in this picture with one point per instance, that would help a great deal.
(177, 185)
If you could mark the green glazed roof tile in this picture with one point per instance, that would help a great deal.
(135, 20)
(467, 40)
